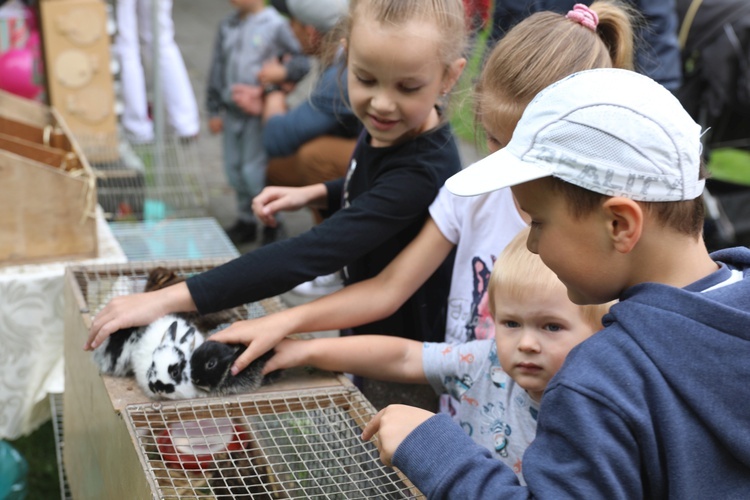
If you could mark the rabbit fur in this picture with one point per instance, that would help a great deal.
(211, 364)
(159, 354)
(161, 360)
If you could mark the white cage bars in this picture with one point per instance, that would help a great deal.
(290, 444)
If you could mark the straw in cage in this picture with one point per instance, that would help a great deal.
(289, 444)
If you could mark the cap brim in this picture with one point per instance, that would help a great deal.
(496, 171)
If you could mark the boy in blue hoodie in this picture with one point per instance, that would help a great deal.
(607, 164)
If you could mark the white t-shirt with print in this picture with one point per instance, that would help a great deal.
(480, 227)
(492, 408)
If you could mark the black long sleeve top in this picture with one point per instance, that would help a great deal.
(375, 212)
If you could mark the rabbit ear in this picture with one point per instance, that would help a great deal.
(188, 334)
(171, 331)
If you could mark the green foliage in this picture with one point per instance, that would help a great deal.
(730, 165)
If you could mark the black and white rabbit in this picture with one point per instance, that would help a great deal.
(211, 364)
(158, 355)
(166, 373)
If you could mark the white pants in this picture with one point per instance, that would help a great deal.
(133, 28)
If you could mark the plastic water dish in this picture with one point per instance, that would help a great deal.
(193, 444)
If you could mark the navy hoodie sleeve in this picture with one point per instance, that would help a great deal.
(443, 462)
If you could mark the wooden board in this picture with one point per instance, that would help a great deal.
(47, 210)
(77, 62)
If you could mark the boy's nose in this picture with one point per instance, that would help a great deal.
(528, 342)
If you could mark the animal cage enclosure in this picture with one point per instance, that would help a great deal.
(297, 437)
(148, 181)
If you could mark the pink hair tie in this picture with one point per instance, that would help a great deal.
(583, 15)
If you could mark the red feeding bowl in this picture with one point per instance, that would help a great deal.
(193, 444)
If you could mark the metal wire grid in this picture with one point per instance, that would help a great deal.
(56, 406)
(100, 284)
(149, 181)
(194, 238)
(290, 444)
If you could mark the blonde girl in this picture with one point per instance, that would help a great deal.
(403, 58)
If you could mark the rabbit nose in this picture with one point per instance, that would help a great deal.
(159, 387)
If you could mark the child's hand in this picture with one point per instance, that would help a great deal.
(123, 312)
(289, 353)
(276, 198)
(249, 98)
(392, 424)
(259, 335)
(272, 72)
(216, 124)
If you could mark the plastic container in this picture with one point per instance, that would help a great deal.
(13, 472)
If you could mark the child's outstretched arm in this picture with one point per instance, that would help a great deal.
(380, 357)
(137, 310)
(357, 304)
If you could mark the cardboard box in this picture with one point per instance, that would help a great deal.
(48, 205)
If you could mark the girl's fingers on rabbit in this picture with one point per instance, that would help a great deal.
(230, 335)
(284, 356)
(254, 350)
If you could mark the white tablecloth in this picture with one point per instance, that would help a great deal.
(31, 336)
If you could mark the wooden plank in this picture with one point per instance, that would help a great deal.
(99, 455)
(44, 213)
(53, 157)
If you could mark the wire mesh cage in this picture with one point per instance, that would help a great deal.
(149, 181)
(282, 435)
(290, 444)
(56, 407)
(174, 239)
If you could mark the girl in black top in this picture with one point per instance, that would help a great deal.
(403, 57)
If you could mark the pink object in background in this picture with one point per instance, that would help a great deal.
(17, 70)
(21, 67)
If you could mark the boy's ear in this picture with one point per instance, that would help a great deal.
(453, 73)
(624, 218)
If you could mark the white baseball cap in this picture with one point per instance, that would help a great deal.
(322, 14)
(611, 131)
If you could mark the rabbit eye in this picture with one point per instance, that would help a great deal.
(174, 371)
(211, 364)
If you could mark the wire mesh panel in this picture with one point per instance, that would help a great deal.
(289, 444)
(148, 181)
(193, 238)
(100, 284)
(56, 407)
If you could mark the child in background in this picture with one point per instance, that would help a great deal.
(404, 56)
(608, 165)
(499, 382)
(477, 227)
(234, 100)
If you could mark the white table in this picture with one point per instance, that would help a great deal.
(31, 336)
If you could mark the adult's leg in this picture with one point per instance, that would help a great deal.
(179, 99)
(135, 118)
(322, 159)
